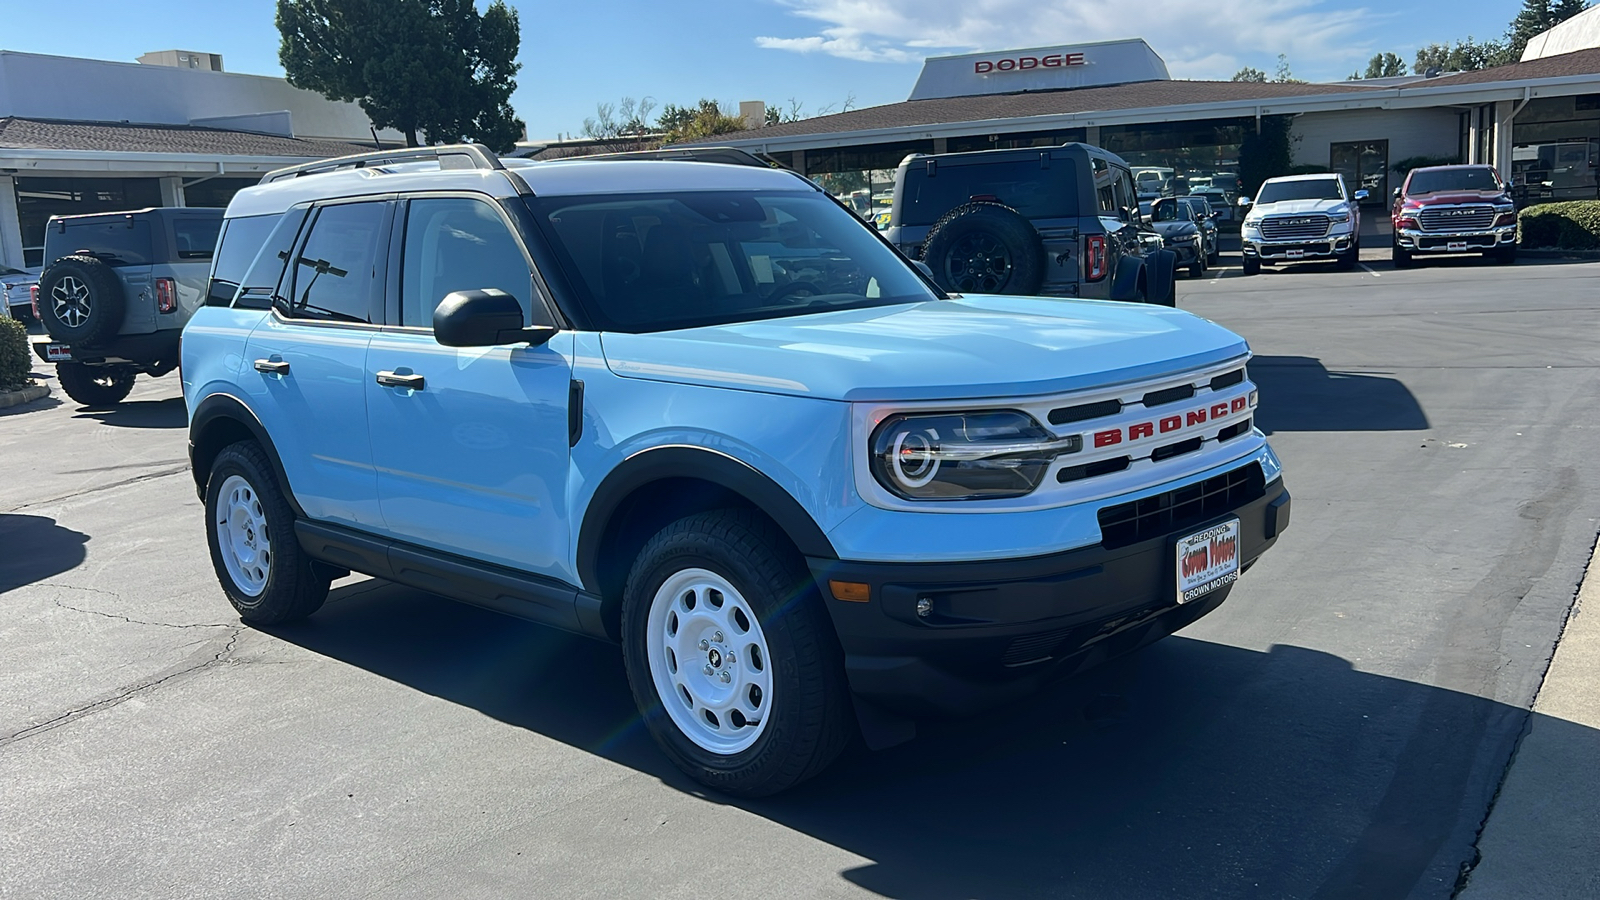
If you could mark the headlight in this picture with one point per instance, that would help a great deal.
(965, 456)
(1339, 218)
(1184, 238)
(1252, 223)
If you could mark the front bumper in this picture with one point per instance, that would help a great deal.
(1187, 252)
(1327, 247)
(1456, 241)
(998, 630)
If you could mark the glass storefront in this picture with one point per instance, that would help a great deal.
(1365, 167)
(215, 192)
(862, 177)
(40, 198)
(1556, 149)
(1177, 158)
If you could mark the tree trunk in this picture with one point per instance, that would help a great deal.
(411, 137)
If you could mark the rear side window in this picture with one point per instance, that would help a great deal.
(116, 242)
(241, 239)
(195, 238)
(1024, 185)
(336, 270)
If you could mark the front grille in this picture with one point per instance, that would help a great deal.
(1227, 379)
(1169, 395)
(1094, 469)
(1294, 228)
(1162, 514)
(1085, 411)
(1456, 218)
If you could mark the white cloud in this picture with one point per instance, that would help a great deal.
(1197, 40)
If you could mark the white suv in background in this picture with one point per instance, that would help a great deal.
(1300, 218)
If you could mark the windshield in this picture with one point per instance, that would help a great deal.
(1310, 189)
(1172, 211)
(1475, 179)
(655, 262)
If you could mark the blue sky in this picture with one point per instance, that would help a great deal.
(817, 52)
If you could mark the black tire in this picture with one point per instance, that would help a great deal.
(1401, 257)
(1197, 268)
(293, 587)
(81, 300)
(1214, 257)
(1348, 259)
(811, 720)
(1505, 256)
(985, 248)
(1252, 265)
(95, 386)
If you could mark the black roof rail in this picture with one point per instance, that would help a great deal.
(450, 156)
(727, 155)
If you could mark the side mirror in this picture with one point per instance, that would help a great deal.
(483, 319)
(1396, 194)
(1245, 202)
(924, 268)
(1361, 195)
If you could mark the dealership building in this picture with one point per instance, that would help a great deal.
(173, 129)
(1537, 120)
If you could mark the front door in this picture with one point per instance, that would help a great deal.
(470, 444)
(1365, 166)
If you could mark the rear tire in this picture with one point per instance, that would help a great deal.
(250, 530)
(775, 709)
(81, 300)
(1252, 265)
(95, 386)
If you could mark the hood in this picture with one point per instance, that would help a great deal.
(1443, 197)
(976, 346)
(1168, 229)
(1292, 207)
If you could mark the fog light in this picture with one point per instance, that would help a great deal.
(924, 606)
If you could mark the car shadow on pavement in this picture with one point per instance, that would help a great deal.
(33, 548)
(168, 413)
(1299, 394)
(1189, 769)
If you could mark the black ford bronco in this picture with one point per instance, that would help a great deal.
(1051, 221)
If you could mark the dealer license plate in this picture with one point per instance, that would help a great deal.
(1208, 560)
(1455, 246)
(1295, 254)
(57, 353)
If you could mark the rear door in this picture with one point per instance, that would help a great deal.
(470, 444)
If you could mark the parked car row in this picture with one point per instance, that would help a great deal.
(17, 288)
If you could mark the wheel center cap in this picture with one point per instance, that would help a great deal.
(715, 658)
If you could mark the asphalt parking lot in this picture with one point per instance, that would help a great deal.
(1337, 729)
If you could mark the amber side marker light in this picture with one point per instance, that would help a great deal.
(850, 591)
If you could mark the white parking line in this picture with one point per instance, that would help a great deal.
(1369, 271)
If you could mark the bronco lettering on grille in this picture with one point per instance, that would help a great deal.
(1113, 436)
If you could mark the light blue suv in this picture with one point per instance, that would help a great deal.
(704, 411)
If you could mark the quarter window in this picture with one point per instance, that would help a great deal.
(336, 268)
(457, 244)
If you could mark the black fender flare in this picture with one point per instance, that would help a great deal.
(681, 461)
(218, 418)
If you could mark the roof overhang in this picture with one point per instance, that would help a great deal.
(1394, 98)
(32, 161)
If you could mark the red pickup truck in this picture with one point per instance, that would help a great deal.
(1454, 209)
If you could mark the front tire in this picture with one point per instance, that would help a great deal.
(1252, 265)
(1506, 256)
(731, 657)
(250, 530)
(1401, 257)
(95, 386)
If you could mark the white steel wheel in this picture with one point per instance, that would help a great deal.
(71, 299)
(709, 660)
(242, 535)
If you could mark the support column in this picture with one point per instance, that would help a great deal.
(940, 145)
(1091, 135)
(10, 224)
(172, 191)
(1504, 110)
(1472, 134)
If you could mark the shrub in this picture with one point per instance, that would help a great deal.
(1573, 225)
(14, 361)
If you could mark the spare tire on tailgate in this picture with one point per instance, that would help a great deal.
(80, 300)
(985, 248)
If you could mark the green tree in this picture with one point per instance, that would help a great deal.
(1385, 65)
(1282, 73)
(1249, 74)
(1463, 56)
(425, 67)
(693, 123)
(1265, 154)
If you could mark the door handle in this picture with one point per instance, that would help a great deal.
(272, 367)
(395, 379)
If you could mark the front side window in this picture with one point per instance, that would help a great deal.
(660, 261)
(336, 269)
(457, 244)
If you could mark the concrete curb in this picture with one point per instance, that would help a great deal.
(23, 395)
(1540, 838)
(1559, 254)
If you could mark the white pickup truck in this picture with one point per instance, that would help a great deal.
(1301, 218)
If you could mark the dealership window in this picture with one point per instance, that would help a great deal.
(40, 198)
(1181, 157)
(971, 142)
(1365, 167)
(1556, 149)
(862, 177)
(215, 192)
